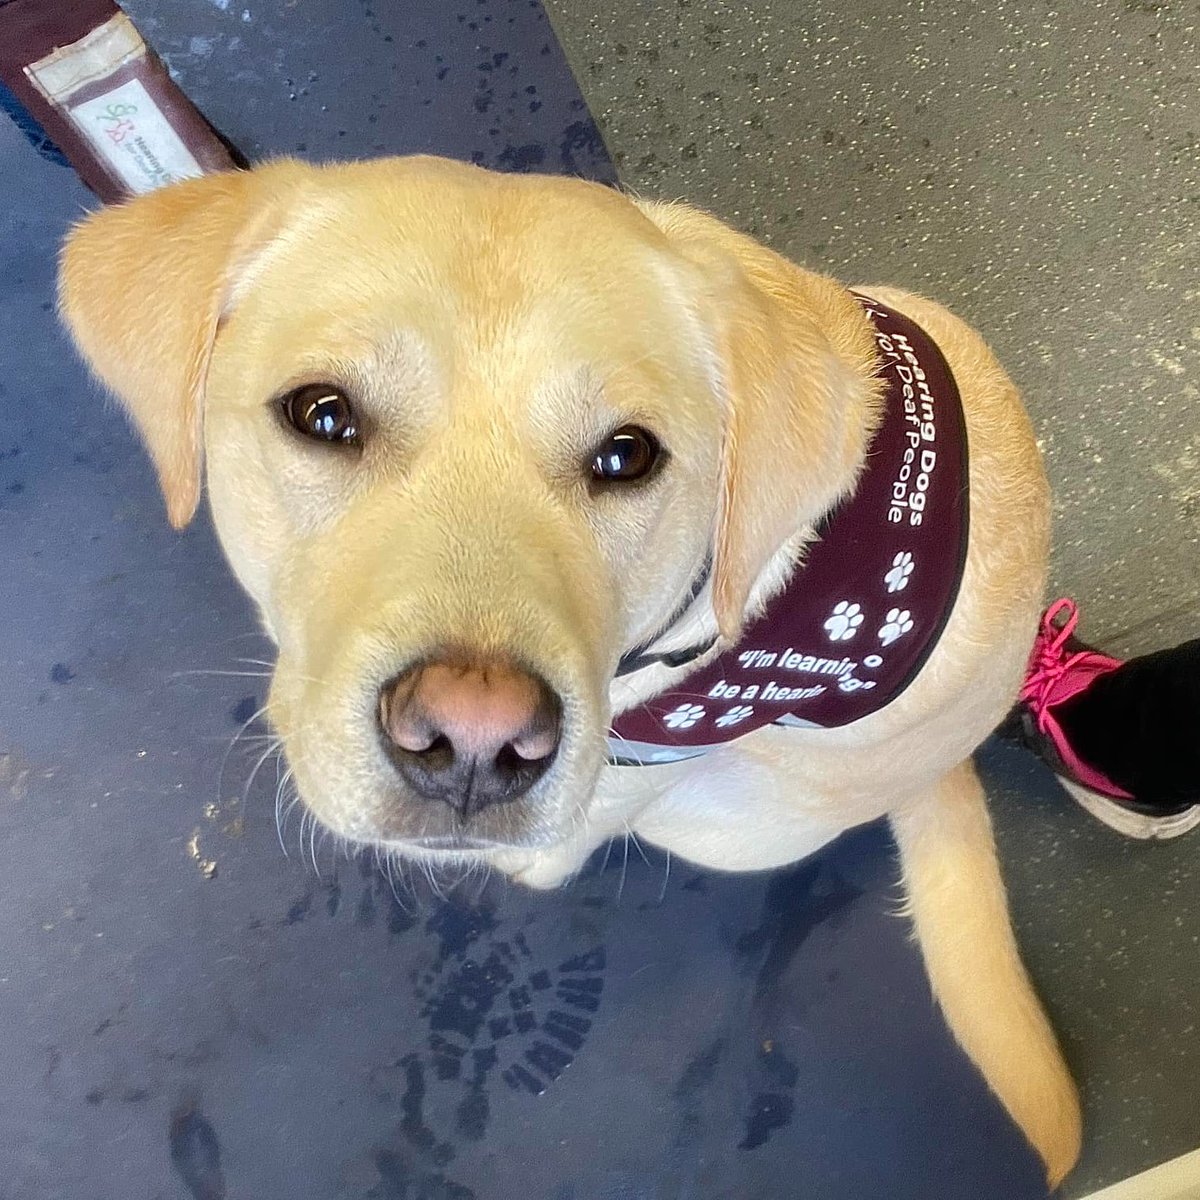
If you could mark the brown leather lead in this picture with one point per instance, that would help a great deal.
(86, 76)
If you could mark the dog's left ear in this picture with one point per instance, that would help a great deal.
(795, 367)
(142, 288)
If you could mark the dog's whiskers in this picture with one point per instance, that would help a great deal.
(281, 817)
(221, 672)
(312, 847)
(257, 767)
(637, 845)
(389, 861)
(607, 854)
(241, 732)
(624, 869)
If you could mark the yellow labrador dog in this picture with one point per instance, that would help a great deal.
(469, 438)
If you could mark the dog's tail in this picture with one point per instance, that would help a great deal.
(957, 902)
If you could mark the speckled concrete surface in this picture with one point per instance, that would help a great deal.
(1037, 168)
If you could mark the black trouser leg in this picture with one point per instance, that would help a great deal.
(1140, 726)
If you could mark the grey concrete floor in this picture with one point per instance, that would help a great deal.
(1037, 168)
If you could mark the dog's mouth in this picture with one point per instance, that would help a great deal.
(452, 844)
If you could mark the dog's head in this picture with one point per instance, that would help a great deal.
(468, 437)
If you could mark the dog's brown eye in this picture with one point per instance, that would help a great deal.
(630, 453)
(321, 411)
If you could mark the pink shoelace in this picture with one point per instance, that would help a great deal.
(1050, 666)
(1050, 661)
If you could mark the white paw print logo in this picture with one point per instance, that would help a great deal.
(896, 624)
(902, 567)
(738, 713)
(843, 623)
(684, 717)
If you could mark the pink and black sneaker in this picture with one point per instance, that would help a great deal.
(1122, 737)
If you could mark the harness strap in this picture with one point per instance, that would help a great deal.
(639, 657)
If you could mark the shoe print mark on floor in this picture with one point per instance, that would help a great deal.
(496, 1009)
(490, 1011)
(375, 899)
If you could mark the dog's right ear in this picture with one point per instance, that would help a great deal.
(143, 287)
(794, 365)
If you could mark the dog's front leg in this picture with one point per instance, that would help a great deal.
(957, 902)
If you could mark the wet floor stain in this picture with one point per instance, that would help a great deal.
(696, 1078)
(300, 909)
(401, 1180)
(196, 1153)
(770, 1111)
(796, 904)
(773, 1104)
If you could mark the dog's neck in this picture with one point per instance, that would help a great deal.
(690, 637)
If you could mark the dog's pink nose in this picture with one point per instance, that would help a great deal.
(470, 732)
